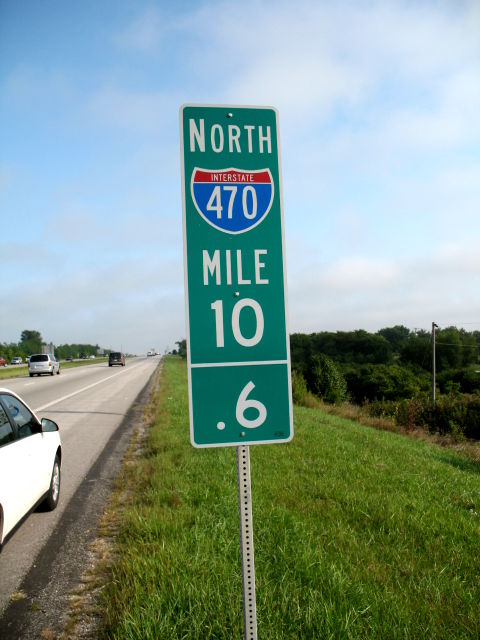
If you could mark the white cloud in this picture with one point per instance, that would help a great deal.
(144, 33)
(313, 60)
(135, 303)
(450, 121)
(130, 228)
(356, 273)
(312, 56)
(371, 294)
(133, 111)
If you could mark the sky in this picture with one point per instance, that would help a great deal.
(379, 109)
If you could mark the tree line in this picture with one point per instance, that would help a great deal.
(393, 362)
(390, 372)
(31, 341)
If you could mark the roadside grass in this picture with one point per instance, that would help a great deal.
(466, 447)
(21, 371)
(358, 533)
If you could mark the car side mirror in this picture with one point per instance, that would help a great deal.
(48, 425)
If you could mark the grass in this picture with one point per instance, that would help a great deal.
(21, 371)
(359, 534)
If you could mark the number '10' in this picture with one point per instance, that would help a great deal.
(217, 307)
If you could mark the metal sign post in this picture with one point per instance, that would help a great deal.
(238, 350)
(246, 543)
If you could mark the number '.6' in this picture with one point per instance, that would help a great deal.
(243, 403)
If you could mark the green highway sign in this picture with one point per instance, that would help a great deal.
(235, 280)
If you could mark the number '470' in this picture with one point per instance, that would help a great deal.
(249, 204)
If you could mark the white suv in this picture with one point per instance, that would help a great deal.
(43, 363)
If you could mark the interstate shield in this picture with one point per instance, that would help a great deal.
(232, 200)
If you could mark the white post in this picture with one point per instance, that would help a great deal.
(246, 543)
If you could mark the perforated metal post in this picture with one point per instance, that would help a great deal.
(246, 543)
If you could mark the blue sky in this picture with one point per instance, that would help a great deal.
(379, 108)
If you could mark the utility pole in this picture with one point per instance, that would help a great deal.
(434, 367)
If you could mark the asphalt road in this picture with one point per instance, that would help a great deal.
(96, 408)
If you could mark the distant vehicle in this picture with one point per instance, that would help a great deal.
(3, 362)
(150, 353)
(16, 360)
(116, 358)
(27, 359)
(84, 356)
(43, 363)
(30, 459)
(69, 359)
(92, 357)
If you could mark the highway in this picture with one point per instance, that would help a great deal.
(91, 406)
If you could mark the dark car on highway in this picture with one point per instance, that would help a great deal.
(116, 358)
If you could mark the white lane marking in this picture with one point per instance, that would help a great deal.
(70, 395)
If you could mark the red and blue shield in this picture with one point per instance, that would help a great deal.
(232, 200)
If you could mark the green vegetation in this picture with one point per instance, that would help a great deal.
(76, 351)
(31, 342)
(358, 534)
(326, 381)
(455, 414)
(393, 368)
(13, 372)
(182, 348)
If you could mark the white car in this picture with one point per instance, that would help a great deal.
(43, 363)
(30, 460)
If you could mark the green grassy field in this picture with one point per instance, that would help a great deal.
(358, 533)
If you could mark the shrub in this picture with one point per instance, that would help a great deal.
(377, 382)
(448, 413)
(457, 414)
(467, 379)
(299, 388)
(405, 412)
(472, 418)
(326, 381)
(300, 393)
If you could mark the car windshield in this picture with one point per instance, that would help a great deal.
(39, 358)
(115, 355)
